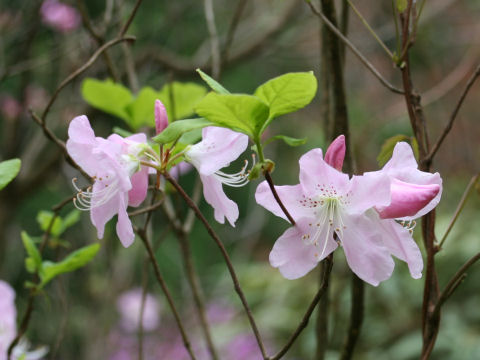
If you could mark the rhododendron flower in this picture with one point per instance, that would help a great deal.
(59, 16)
(331, 210)
(8, 328)
(219, 147)
(129, 305)
(119, 179)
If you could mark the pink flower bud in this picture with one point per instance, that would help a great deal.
(161, 118)
(336, 153)
(58, 16)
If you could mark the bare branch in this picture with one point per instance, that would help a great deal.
(214, 42)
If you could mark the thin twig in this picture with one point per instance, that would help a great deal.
(146, 209)
(453, 283)
(143, 236)
(327, 269)
(277, 198)
(214, 41)
(353, 48)
(125, 27)
(232, 28)
(447, 129)
(82, 69)
(226, 257)
(460, 207)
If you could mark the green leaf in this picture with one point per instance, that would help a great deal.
(214, 85)
(8, 170)
(243, 113)
(107, 96)
(33, 262)
(402, 5)
(74, 261)
(180, 127)
(287, 93)
(142, 109)
(71, 219)
(387, 148)
(180, 99)
(288, 140)
(45, 217)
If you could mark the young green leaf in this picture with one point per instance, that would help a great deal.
(71, 219)
(287, 93)
(180, 99)
(8, 170)
(141, 110)
(243, 113)
(288, 140)
(387, 148)
(107, 96)
(121, 132)
(45, 217)
(33, 262)
(180, 127)
(214, 85)
(74, 261)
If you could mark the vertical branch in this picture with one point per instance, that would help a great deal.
(214, 41)
(226, 257)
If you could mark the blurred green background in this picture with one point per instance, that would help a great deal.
(77, 317)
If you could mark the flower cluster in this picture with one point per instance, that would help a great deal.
(371, 215)
(363, 214)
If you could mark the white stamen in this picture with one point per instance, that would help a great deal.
(238, 179)
(88, 199)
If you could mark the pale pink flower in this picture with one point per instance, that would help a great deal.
(59, 16)
(129, 305)
(219, 147)
(327, 202)
(8, 328)
(119, 179)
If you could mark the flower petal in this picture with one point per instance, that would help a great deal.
(81, 143)
(101, 214)
(217, 149)
(366, 254)
(400, 243)
(294, 256)
(403, 166)
(214, 195)
(124, 225)
(408, 199)
(291, 196)
(138, 193)
(335, 153)
(316, 176)
(368, 190)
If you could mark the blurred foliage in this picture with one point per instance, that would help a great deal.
(76, 317)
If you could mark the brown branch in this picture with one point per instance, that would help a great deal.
(353, 48)
(232, 28)
(146, 209)
(356, 317)
(214, 42)
(143, 236)
(277, 198)
(226, 257)
(82, 69)
(327, 269)
(447, 128)
(125, 27)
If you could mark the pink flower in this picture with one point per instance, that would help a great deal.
(129, 304)
(58, 16)
(119, 180)
(8, 322)
(219, 146)
(8, 328)
(327, 202)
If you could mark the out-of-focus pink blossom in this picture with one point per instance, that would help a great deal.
(8, 325)
(129, 304)
(243, 347)
(36, 97)
(10, 107)
(59, 16)
(219, 313)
